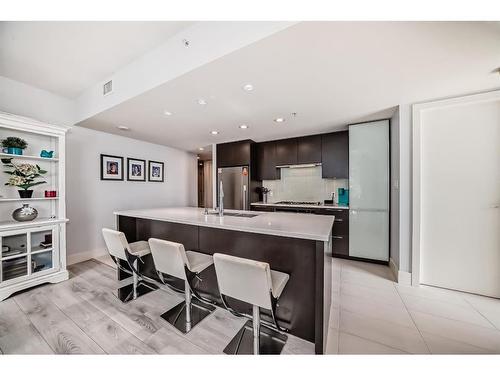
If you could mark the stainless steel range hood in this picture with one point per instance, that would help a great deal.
(299, 165)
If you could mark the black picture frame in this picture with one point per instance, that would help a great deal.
(150, 170)
(129, 171)
(105, 176)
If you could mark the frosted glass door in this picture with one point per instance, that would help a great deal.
(369, 190)
(369, 234)
(369, 165)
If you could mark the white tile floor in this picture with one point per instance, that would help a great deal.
(371, 314)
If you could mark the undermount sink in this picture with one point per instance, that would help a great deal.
(236, 214)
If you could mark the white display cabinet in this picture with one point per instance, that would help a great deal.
(33, 252)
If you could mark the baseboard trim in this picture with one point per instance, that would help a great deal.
(86, 255)
(394, 268)
(402, 277)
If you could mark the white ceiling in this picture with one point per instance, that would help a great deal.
(330, 73)
(67, 57)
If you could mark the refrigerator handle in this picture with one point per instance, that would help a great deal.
(244, 197)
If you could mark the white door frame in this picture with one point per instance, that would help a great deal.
(417, 109)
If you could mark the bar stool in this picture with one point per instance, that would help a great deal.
(171, 258)
(255, 283)
(119, 249)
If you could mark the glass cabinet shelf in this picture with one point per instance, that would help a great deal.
(14, 268)
(41, 261)
(14, 245)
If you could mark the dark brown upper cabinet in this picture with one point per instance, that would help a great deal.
(234, 154)
(266, 161)
(286, 151)
(335, 155)
(309, 149)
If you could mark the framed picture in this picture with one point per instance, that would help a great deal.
(111, 168)
(136, 169)
(155, 171)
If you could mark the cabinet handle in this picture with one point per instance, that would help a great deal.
(337, 237)
(339, 219)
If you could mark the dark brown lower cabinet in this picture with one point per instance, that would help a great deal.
(340, 235)
(340, 245)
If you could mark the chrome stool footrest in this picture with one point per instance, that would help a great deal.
(271, 342)
(177, 315)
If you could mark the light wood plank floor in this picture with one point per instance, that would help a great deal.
(82, 316)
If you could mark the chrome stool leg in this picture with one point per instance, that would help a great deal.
(256, 329)
(139, 287)
(189, 312)
(256, 336)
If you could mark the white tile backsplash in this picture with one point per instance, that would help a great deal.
(303, 184)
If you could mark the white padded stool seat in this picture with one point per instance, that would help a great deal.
(139, 248)
(279, 280)
(198, 261)
(171, 258)
(116, 242)
(255, 283)
(120, 250)
(248, 280)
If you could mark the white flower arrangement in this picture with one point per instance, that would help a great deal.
(23, 175)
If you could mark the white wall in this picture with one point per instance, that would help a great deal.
(24, 100)
(91, 202)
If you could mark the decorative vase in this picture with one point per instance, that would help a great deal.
(14, 150)
(25, 193)
(25, 213)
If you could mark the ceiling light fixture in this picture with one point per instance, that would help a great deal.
(279, 119)
(202, 102)
(201, 149)
(243, 126)
(214, 132)
(248, 87)
(122, 127)
(167, 113)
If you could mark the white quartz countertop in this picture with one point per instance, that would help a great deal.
(295, 225)
(300, 205)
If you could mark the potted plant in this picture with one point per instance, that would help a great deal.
(23, 176)
(14, 145)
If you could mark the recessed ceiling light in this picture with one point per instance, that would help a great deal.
(202, 102)
(214, 132)
(243, 126)
(248, 87)
(201, 149)
(279, 119)
(167, 113)
(122, 127)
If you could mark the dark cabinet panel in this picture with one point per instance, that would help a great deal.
(335, 155)
(309, 149)
(234, 154)
(266, 161)
(340, 245)
(286, 151)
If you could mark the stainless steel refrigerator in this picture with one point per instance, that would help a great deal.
(369, 190)
(235, 184)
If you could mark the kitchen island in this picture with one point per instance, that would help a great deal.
(297, 244)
